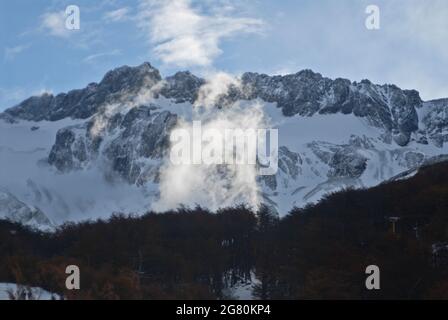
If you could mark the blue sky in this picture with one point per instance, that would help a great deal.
(38, 54)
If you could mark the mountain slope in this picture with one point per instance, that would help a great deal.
(102, 149)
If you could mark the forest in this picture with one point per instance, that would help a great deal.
(317, 252)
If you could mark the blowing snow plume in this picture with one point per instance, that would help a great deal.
(182, 33)
(184, 36)
(213, 158)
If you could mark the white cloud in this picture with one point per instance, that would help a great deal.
(54, 24)
(11, 53)
(217, 85)
(209, 185)
(93, 57)
(121, 14)
(183, 36)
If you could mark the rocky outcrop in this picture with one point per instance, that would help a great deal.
(307, 93)
(145, 138)
(141, 134)
(16, 211)
(344, 160)
(435, 121)
(182, 87)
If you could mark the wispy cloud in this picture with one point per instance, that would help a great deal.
(94, 57)
(117, 15)
(11, 53)
(54, 24)
(185, 36)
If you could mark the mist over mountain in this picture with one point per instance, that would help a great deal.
(105, 148)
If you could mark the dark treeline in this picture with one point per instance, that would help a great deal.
(317, 252)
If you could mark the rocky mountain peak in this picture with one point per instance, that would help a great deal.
(305, 93)
(82, 103)
(183, 86)
(130, 78)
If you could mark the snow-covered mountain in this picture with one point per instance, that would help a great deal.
(98, 150)
(13, 291)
